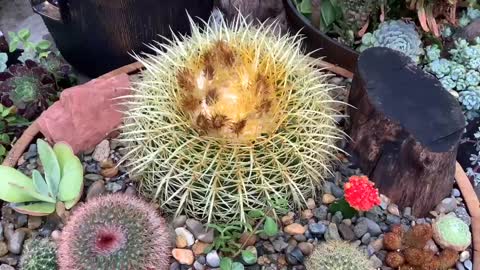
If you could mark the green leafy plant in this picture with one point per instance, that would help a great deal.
(228, 235)
(39, 254)
(10, 125)
(32, 51)
(39, 196)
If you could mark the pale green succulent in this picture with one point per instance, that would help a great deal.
(396, 35)
(39, 254)
(452, 232)
(38, 196)
(338, 255)
(3, 61)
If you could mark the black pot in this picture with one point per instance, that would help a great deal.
(326, 47)
(96, 36)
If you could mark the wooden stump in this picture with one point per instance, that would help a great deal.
(405, 129)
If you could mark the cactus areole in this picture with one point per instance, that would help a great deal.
(225, 120)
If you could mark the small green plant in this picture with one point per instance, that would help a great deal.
(32, 51)
(228, 264)
(39, 254)
(228, 235)
(40, 196)
(10, 124)
(3, 61)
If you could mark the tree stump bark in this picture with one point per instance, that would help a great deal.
(405, 129)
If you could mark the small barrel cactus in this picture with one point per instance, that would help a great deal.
(338, 255)
(451, 232)
(396, 35)
(115, 231)
(223, 121)
(39, 254)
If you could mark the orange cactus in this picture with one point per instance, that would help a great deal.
(361, 194)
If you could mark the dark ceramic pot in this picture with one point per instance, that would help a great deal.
(96, 36)
(323, 45)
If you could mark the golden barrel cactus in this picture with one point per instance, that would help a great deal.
(226, 119)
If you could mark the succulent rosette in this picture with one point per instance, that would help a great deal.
(29, 87)
(396, 35)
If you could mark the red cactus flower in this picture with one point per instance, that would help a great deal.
(361, 194)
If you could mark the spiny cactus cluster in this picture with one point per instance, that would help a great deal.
(396, 35)
(407, 250)
(338, 255)
(114, 232)
(460, 74)
(225, 119)
(39, 254)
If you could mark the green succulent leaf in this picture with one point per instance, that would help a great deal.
(24, 34)
(328, 13)
(44, 45)
(50, 165)
(306, 7)
(35, 209)
(6, 112)
(4, 139)
(30, 191)
(256, 214)
(237, 266)
(71, 168)
(40, 184)
(226, 263)
(15, 187)
(249, 257)
(3, 150)
(342, 206)
(13, 44)
(270, 227)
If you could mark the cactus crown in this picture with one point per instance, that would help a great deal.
(451, 232)
(39, 254)
(114, 232)
(338, 255)
(222, 120)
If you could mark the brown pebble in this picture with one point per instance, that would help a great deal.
(34, 222)
(110, 172)
(181, 242)
(199, 248)
(183, 256)
(307, 214)
(306, 248)
(328, 198)
(107, 163)
(247, 239)
(294, 229)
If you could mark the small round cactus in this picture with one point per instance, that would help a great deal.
(116, 231)
(451, 232)
(338, 255)
(39, 254)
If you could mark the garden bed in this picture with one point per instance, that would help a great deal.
(257, 180)
(299, 232)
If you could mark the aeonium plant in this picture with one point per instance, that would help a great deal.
(360, 195)
(39, 196)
